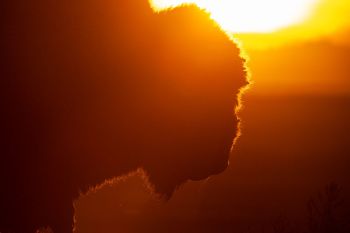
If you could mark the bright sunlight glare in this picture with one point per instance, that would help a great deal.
(249, 16)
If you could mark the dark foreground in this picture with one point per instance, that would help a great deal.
(291, 148)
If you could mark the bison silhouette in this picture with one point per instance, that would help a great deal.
(95, 89)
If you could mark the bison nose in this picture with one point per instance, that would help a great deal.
(220, 167)
(210, 169)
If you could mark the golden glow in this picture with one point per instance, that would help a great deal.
(249, 15)
(329, 19)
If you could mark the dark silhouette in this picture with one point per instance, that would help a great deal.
(91, 90)
(326, 211)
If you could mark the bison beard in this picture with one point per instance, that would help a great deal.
(92, 90)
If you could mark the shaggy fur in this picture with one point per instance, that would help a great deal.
(94, 89)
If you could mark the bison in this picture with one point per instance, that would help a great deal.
(94, 89)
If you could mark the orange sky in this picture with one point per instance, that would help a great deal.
(311, 57)
(327, 19)
(308, 55)
(277, 22)
(250, 15)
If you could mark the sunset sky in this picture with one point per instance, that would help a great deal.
(312, 17)
(275, 34)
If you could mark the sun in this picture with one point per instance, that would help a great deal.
(249, 16)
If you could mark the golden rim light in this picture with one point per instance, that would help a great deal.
(249, 16)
